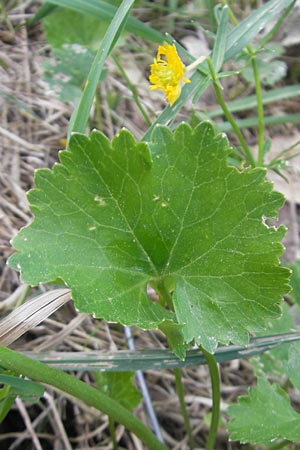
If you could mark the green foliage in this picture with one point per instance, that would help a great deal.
(67, 74)
(220, 42)
(65, 26)
(106, 11)
(253, 24)
(120, 387)
(293, 365)
(236, 41)
(81, 114)
(263, 416)
(271, 69)
(7, 397)
(13, 387)
(295, 282)
(274, 362)
(112, 218)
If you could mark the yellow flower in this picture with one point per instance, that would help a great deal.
(167, 72)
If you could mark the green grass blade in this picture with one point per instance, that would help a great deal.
(237, 39)
(157, 359)
(134, 92)
(218, 52)
(246, 103)
(251, 26)
(42, 12)
(80, 116)
(28, 389)
(105, 11)
(199, 83)
(277, 25)
(253, 122)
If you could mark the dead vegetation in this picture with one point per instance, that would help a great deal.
(33, 125)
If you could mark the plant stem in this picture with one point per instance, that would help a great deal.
(112, 431)
(42, 373)
(134, 93)
(164, 294)
(98, 114)
(228, 114)
(216, 397)
(111, 422)
(180, 393)
(260, 108)
(258, 92)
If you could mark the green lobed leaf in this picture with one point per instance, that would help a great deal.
(109, 220)
(274, 361)
(263, 416)
(293, 364)
(295, 282)
(120, 387)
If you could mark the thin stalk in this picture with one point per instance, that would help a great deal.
(180, 393)
(112, 431)
(134, 92)
(216, 398)
(228, 114)
(164, 294)
(98, 114)
(195, 64)
(259, 97)
(81, 113)
(23, 295)
(42, 373)
(260, 109)
(111, 422)
(144, 388)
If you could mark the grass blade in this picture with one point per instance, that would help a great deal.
(277, 25)
(156, 359)
(42, 12)
(30, 314)
(250, 102)
(199, 83)
(105, 11)
(26, 389)
(237, 39)
(80, 116)
(221, 40)
(242, 34)
(253, 121)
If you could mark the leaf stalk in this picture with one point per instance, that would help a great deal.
(228, 114)
(180, 394)
(216, 398)
(22, 365)
(258, 93)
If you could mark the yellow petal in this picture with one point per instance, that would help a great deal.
(167, 72)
